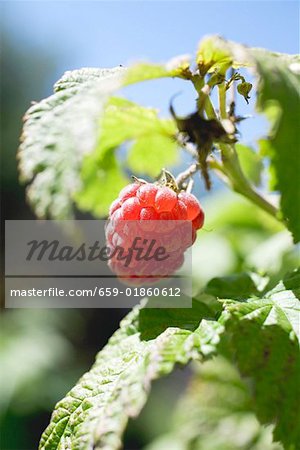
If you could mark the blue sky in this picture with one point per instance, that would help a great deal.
(105, 34)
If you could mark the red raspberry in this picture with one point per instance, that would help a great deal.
(198, 221)
(146, 194)
(114, 206)
(131, 209)
(180, 211)
(150, 212)
(128, 191)
(165, 199)
(192, 204)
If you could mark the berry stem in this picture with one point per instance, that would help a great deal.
(183, 176)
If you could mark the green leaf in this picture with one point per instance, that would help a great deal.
(251, 163)
(279, 97)
(259, 334)
(236, 286)
(76, 78)
(176, 67)
(98, 171)
(58, 132)
(215, 413)
(262, 337)
(95, 412)
(154, 321)
(215, 55)
(150, 153)
(153, 147)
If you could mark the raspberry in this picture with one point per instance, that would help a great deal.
(128, 191)
(198, 221)
(131, 209)
(146, 194)
(192, 204)
(165, 199)
(180, 211)
(114, 206)
(148, 212)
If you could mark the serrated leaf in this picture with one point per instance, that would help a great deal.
(58, 132)
(259, 334)
(95, 412)
(280, 306)
(251, 163)
(262, 336)
(75, 78)
(279, 96)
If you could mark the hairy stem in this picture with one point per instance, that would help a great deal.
(183, 176)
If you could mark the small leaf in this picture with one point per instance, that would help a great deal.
(214, 55)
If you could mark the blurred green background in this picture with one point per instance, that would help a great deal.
(43, 353)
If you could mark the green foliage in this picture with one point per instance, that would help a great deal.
(279, 97)
(214, 55)
(177, 67)
(258, 334)
(262, 337)
(215, 413)
(56, 150)
(237, 286)
(80, 144)
(95, 412)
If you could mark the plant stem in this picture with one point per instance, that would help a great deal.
(187, 174)
(222, 100)
(239, 182)
(209, 107)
